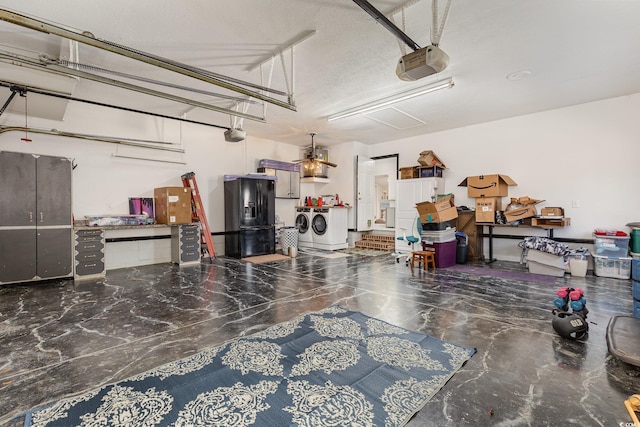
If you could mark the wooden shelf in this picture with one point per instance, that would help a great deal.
(315, 179)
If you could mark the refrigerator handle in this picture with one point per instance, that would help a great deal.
(259, 194)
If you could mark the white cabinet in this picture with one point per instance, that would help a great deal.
(288, 183)
(409, 192)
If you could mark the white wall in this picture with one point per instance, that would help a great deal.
(341, 178)
(587, 153)
(102, 183)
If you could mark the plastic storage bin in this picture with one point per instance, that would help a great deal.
(445, 253)
(115, 220)
(612, 246)
(438, 226)
(578, 260)
(614, 267)
(578, 267)
(635, 290)
(547, 270)
(539, 262)
(439, 236)
(635, 269)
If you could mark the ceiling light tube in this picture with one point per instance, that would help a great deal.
(384, 102)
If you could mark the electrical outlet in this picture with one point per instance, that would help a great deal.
(575, 203)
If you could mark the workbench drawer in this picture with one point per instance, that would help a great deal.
(89, 268)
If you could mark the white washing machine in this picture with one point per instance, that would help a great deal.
(303, 223)
(330, 228)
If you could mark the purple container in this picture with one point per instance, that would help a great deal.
(445, 253)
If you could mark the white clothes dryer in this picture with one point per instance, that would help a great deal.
(303, 223)
(330, 228)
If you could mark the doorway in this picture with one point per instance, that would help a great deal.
(386, 175)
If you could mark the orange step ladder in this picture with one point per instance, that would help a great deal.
(206, 242)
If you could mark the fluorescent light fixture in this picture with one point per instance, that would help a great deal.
(384, 102)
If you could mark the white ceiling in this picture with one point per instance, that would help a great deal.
(577, 51)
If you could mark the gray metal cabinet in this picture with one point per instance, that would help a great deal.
(35, 219)
(185, 244)
(89, 253)
(288, 183)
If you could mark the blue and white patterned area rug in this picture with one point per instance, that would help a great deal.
(330, 368)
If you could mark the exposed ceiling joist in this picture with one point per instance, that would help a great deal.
(23, 90)
(186, 70)
(48, 64)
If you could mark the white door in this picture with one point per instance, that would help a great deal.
(366, 189)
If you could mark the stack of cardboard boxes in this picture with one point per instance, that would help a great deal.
(488, 190)
(439, 236)
(430, 167)
(611, 256)
(443, 210)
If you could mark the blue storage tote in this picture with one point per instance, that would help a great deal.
(635, 290)
(612, 246)
(635, 269)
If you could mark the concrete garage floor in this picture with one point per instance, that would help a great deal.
(61, 337)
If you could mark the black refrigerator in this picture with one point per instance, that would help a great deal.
(250, 216)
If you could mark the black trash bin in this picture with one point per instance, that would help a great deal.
(462, 248)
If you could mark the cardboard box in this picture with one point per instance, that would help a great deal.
(430, 172)
(526, 200)
(557, 212)
(429, 158)
(409, 172)
(444, 209)
(521, 213)
(486, 208)
(527, 208)
(495, 185)
(550, 222)
(173, 205)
